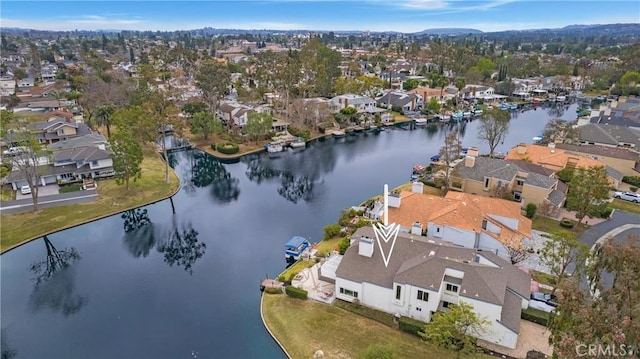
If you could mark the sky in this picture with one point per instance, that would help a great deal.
(330, 15)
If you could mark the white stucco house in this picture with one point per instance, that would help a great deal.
(425, 275)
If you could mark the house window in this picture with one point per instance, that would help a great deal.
(437, 229)
(517, 196)
(423, 296)
(452, 288)
(486, 183)
(499, 183)
(519, 182)
(94, 163)
(398, 292)
(445, 304)
(484, 224)
(349, 292)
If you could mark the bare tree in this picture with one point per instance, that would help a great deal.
(448, 153)
(494, 126)
(31, 162)
(516, 249)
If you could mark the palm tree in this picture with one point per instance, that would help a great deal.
(103, 117)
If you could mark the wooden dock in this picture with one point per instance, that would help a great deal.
(270, 283)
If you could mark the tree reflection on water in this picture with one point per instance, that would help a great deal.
(181, 247)
(207, 171)
(54, 281)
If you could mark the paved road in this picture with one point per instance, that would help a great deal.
(63, 199)
(617, 220)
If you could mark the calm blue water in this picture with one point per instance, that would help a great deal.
(153, 284)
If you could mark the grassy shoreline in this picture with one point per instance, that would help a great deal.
(20, 228)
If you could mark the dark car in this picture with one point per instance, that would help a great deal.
(549, 299)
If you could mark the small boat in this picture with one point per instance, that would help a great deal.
(338, 134)
(536, 139)
(478, 112)
(298, 142)
(561, 98)
(295, 248)
(420, 121)
(504, 106)
(513, 106)
(457, 116)
(466, 114)
(274, 147)
(358, 128)
(445, 118)
(435, 158)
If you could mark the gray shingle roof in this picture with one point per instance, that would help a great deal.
(609, 134)
(510, 316)
(614, 152)
(81, 154)
(78, 142)
(556, 197)
(422, 263)
(613, 173)
(501, 169)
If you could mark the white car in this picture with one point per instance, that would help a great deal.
(14, 151)
(628, 196)
(25, 189)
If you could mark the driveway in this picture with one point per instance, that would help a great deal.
(617, 220)
(63, 199)
(532, 336)
(48, 190)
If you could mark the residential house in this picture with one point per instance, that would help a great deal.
(360, 103)
(499, 178)
(609, 136)
(427, 93)
(556, 159)
(471, 92)
(58, 129)
(467, 220)
(71, 161)
(236, 115)
(424, 275)
(624, 160)
(7, 85)
(406, 101)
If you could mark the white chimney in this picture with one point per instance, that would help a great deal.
(521, 149)
(393, 200)
(473, 151)
(416, 229)
(551, 145)
(386, 204)
(417, 187)
(365, 247)
(469, 161)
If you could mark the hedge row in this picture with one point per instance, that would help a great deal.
(632, 180)
(296, 292)
(536, 316)
(567, 223)
(271, 290)
(410, 325)
(228, 148)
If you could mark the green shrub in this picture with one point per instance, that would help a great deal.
(70, 188)
(411, 326)
(632, 180)
(294, 131)
(296, 292)
(535, 316)
(228, 148)
(363, 223)
(603, 212)
(567, 223)
(633, 189)
(281, 278)
(331, 230)
(213, 146)
(565, 175)
(531, 210)
(344, 245)
(272, 290)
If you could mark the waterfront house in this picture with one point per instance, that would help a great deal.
(360, 103)
(504, 179)
(467, 220)
(471, 92)
(624, 160)
(556, 159)
(424, 275)
(7, 85)
(609, 136)
(406, 101)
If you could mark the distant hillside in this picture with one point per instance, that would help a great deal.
(448, 31)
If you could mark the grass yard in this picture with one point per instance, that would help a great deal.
(6, 195)
(22, 227)
(327, 245)
(304, 326)
(296, 268)
(625, 206)
(550, 225)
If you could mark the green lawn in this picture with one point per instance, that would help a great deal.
(22, 227)
(327, 245)
(298, 266)
(7, 195)
(304, 326)
(625, 206)
(550, 225)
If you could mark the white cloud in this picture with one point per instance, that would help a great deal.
(424, 4)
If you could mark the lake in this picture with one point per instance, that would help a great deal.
(149, 283)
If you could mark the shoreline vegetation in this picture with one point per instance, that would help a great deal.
(20, 228)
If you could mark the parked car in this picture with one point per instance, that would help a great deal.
(14, 151)
(25, 190)
(548, 299)
(628, 196)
